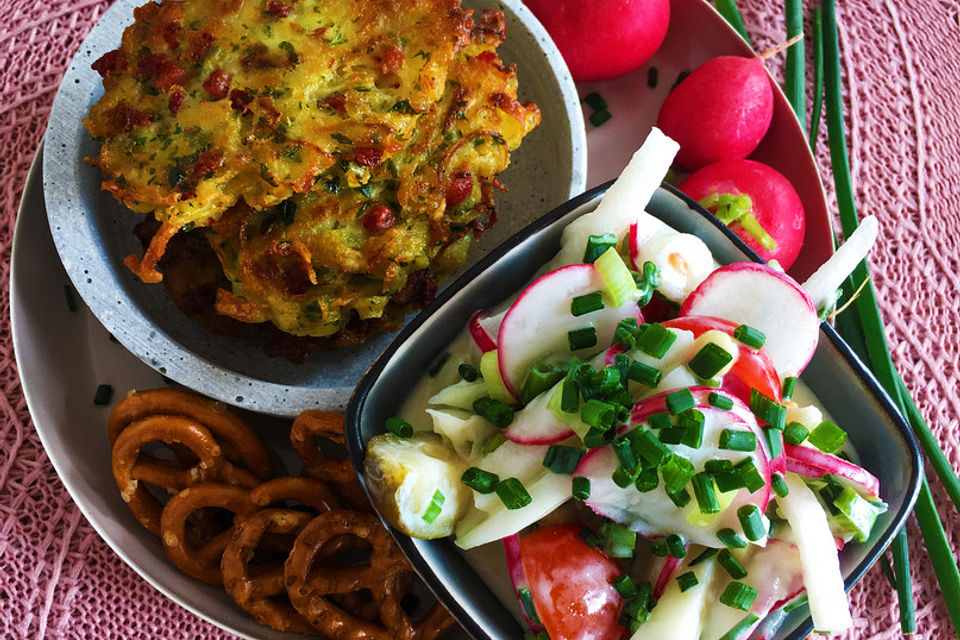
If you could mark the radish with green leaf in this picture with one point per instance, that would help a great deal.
(758, 204)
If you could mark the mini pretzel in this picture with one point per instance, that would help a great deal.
(308, 491)
(257, 594)
(310, 587)
(131, 470)
(313, 424)
(203, 562)
(241, 444)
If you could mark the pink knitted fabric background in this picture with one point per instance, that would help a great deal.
(58, 579)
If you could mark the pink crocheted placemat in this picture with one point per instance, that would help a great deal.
(59, 579)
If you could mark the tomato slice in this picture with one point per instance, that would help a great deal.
(753, 368)
(571, 585)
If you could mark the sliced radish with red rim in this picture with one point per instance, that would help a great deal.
(813, 463)
(511, 549)
(479, 334)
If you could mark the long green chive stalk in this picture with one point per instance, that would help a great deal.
(795, 81)
(865, 307)
(817, 78)
(728, 9)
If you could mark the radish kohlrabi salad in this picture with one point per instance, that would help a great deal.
(630, 430)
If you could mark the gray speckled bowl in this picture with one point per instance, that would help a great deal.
(93, 233)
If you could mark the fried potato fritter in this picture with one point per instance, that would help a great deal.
(328, 148)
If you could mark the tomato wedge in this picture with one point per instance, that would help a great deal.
(753, 369)
(571, 585)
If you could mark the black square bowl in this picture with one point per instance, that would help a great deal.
(848, 391)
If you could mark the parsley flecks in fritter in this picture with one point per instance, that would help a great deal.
(330, 148)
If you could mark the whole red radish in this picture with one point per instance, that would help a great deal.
(603, 39)
(720, 111)
(773, 203)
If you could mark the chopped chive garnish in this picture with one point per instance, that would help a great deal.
(687, 580)
(766, 410)
(570, 396)
(691, 421)
(479, 480)
(399, 427)
(748, 473)
(598, 414)
(582, 338)
(435, 369)
(526, 600)
(648, 480)
(586, 303)
(706, 554)
(590, 537)
(736, 440)
(795, 433)
(493, 443)
(710, 360)
(681, 498)
(774, 441)
(648, 446)
(622, 477)
(618, 283)
(618, 540)
(827, 437)
(728, 481)
(673, 435)
(659, 420)
(652, 77)
(70, 298)
(659, 548)
(581, 488)
(705, 493)
(632, 616)
(434, 508)
(739, 596)
(103, 394)
(598, 118)
(644, 374)
(740, 629)
(752, 522)
(562, 459)
(720, 401)
(598, 437)
(789, 386)
(512, 493)
(541, 377)
(625, 586)
(680, 401)
(718, 466)
(676, 546)
(597, 245)
(626, 453)
(655, 340)
(749, 336)
(730, 564)
(779, 485)
(732, 540)
(468, 372)
(498, 413)
(595, 101)
(677, 472)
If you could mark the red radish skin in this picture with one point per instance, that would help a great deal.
(776, 205)
(813, 463)
(720, 111)
(603, 39)
(511, 549)
(480, 336)
(669, 568)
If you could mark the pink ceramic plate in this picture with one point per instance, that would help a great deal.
(697, 33)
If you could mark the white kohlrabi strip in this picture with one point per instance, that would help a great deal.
(818, 555)
(678, 615)
(624, 201)
(823, 284)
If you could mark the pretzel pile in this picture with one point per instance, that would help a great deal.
(298, 553)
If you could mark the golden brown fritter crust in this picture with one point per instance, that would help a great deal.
(330, 148)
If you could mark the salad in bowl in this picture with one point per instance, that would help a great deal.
(627, 439)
